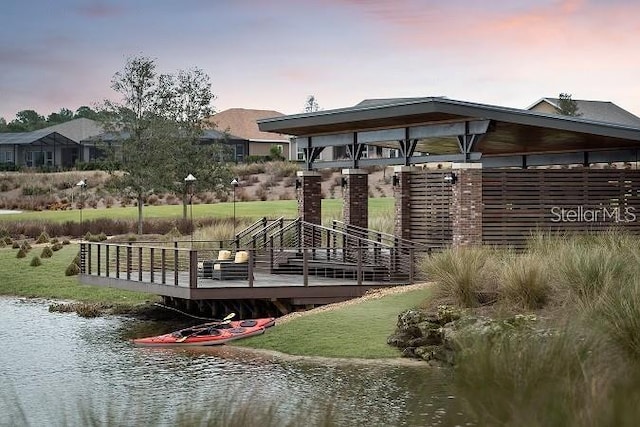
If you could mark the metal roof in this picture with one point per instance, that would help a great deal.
(42, 136)
(511, 130)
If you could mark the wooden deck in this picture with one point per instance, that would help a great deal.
(318, 290)
(270, 276)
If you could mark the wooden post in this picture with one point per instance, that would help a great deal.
(193, 268)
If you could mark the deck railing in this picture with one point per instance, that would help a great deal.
(178, 266)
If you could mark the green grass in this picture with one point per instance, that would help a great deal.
(48, 280)
(353, 331)
(255, 209)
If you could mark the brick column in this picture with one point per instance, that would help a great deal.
(402, 196)
(309, 194)
(466, 204)
(355, 205)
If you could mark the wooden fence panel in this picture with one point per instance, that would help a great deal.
(519, 202)
(430, 204)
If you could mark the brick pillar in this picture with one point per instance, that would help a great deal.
(355, 205)
(466, 204)
(309, 194)
(402, 196)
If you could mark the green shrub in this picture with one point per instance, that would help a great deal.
(21, 253)
(43, 238)
(102, 237)
(56, 247)
(25, 245)
(66, 242)
(35, 262)
(2, 244)
(46, 252)
(15, 245)
(8, 240)
(72, 270)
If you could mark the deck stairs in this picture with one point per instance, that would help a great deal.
(289, 246)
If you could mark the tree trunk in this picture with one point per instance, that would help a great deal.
(140, 203)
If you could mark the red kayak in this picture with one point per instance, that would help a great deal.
(215, 333)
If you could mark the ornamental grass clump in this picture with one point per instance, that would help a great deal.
(21, 253)
(46, 252)
(467, 275)
(43, 238)
(525, 281)
(35, 262)
(72, 270)
(590, 270)
(617, 316)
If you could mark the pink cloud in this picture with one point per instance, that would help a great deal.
(100, 10)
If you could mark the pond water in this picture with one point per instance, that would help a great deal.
(60, 369)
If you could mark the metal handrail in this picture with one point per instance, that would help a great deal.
(405, 242)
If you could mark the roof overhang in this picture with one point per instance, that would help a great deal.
(511, 131)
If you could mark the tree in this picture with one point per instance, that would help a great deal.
(311, 105)
(26, 121)
(567, 106)
(64, 115)
(3, 125)
(159, 122)
(86, 112)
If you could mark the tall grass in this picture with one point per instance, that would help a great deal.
(585, 368)
(525, 281)
(466, 275)
(528, 379)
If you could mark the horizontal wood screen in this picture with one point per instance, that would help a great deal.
(519, 202)
(430, 203)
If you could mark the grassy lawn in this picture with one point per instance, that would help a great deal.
(352, 331)
(332, 208)
(18, 278)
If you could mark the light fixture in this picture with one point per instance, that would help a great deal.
(234, 184)
(82, 184)
(189, 182)
(450, 177)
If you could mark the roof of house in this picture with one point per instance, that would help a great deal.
(74, 130)
(241, 123)
(602, 111)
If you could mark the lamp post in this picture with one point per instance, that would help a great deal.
(234, 184)
(189, 182)
(82, 184)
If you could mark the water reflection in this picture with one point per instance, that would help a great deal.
(57, 365)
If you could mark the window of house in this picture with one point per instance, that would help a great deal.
(394, 153)
(300, 153)
(48, 158)
(239, 153)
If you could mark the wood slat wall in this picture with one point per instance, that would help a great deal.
(517, 202)
(430, 202)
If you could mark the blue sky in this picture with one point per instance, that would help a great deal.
(273, 54)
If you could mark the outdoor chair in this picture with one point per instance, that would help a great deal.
(205, 268)
(238, 269)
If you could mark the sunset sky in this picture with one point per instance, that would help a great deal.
(273, 54)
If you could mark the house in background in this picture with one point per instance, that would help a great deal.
(56, 146)
(238, 127)
(600, 111)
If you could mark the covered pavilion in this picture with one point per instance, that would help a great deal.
(504, 172)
